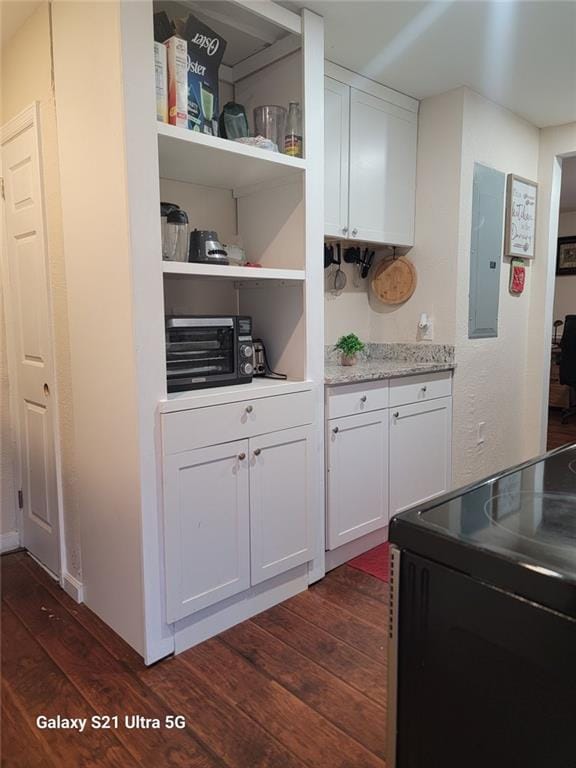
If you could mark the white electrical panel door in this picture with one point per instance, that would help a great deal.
(336, 156)
(357, 456)
(207, 528)
(280, 502)
(420, 452)
(382, 170)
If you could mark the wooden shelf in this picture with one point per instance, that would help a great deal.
(214, 162)
(226, 272)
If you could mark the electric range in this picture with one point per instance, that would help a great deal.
(482, 631)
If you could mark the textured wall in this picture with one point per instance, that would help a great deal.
(490, 381)
(27, 78)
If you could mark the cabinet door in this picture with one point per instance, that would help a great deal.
(382, 170)
(420, 452)
(280, 502)
(206, 508)
(336, 153)
(357, 476)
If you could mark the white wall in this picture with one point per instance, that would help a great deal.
(490, 380)
(565, 286)
(27, 78)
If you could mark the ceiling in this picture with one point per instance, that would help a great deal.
(568, 188)
(13, 13)
(519, 54)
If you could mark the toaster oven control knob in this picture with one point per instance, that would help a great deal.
(246, 350)
(246, 369)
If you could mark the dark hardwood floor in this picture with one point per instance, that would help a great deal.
(303, 684)
(558, 433)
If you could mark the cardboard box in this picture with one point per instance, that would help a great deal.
(177, 56)
(205, 52)
(161, 67)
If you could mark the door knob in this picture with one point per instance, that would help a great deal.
(241, 456)
(354, 231)
(424, 389)
(257, 451)
(46, 390)
(363, 399)
(336, 430)
(396, 414)
(249, 409)
(344, 230)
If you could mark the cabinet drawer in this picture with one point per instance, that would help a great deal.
(215, 424)
(351, 399)
(418, 389)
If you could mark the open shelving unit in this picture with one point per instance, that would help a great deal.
(228, 272)
(211, 161)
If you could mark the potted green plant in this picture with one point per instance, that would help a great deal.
(349, 346)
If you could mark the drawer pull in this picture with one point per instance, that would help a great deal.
(249, 409)
(241, 456)
(396, 414)
(336, 430)
(363, 399)
(257, 451)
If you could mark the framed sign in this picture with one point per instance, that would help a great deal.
(566, 263)
(521, 197)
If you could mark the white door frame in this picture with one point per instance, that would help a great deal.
(551, 250)
(30, 117)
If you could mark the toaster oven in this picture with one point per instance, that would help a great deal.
(208, 351)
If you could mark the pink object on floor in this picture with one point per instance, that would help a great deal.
(374, 562)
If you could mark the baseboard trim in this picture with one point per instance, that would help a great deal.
(73, 587)
(9, 541)
(337, 557)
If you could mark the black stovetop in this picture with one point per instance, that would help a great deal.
(521, 522)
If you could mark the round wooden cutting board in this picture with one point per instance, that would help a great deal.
(394, 281)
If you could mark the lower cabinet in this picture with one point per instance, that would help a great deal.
(235, 515)
(357, 456)
(420, 452)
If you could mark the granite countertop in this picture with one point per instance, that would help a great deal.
(371, 370)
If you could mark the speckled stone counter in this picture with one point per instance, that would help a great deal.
(388, 361)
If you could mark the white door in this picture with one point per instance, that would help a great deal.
(420, 452)
(280, 502)
(207, 528)
(336, 154)
(30, 319)
(357, 476)
(382, 170)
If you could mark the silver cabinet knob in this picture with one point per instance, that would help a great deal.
(354, 231)
(241, 456)
(344, 230)
(363, 399)
(336, 430)
(249, 409)
(257, 451)
(396, 414)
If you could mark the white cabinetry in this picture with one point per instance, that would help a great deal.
(370, 163)
(357, 448)
(388, 447)
(280, 513)
(207, 535)
(237, 513)
(336, 157)
(420, 452)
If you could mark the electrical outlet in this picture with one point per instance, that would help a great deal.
(428, 332)
(480, 432)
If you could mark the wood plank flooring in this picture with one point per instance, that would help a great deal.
(558, 433)
(301, 685)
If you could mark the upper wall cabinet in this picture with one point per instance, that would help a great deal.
(370, 165)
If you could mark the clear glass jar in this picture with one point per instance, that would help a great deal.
(293, 136)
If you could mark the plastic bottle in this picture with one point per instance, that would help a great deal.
(293, 137)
